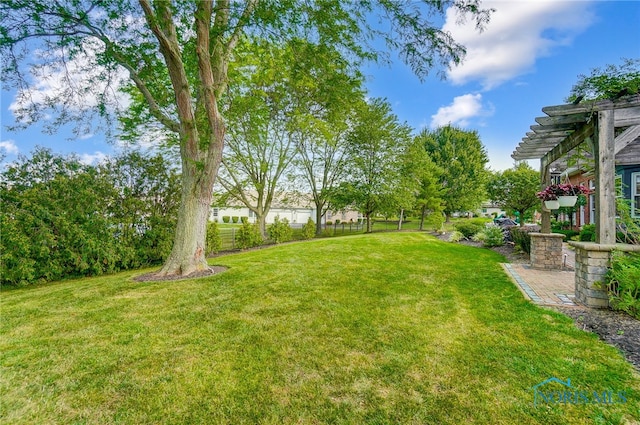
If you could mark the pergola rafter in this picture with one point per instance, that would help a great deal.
(565, 127)
(552, 139)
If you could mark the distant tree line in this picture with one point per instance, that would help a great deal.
(61, 218)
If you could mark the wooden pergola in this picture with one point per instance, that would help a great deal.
(565, 127)
(607, 127)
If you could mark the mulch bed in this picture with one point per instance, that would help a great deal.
(153, 276)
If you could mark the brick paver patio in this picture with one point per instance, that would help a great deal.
(546, 287)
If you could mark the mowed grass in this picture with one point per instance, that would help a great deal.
(391, 328)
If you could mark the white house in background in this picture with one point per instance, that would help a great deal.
(296, 209)
(487, 209)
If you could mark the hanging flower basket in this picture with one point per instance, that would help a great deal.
(552, 205)
(567, 201)
(565, 195)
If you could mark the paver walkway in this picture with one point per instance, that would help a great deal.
(546, 287)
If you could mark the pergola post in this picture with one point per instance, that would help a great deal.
(545, 177)
(605, 178)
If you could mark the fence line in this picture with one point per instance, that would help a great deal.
(228, 235)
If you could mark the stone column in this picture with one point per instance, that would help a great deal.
(546, 251)
(592, 263)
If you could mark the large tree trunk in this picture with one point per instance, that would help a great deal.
(262, 226)
(369, 224)
(188, 252)
(318, 220)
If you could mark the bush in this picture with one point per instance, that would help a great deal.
(60, 218)
(480, 221)
(521, 238)
(490, 236)
(468, 228)
(244, 219)
(280, 231)
(623, 283)
(226, 218)
(309, 229)
(456, 236)
(588, 233)
(249, 236)
(329, 223)
(568, 233)
(235, 219)
(214, 240)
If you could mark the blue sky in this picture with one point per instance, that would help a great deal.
(529, 56)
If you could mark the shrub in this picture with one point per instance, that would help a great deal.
(329, 223)
(337, 221)
(623, 283)
(456, 236)
(568, 233)
(280, 231)
(588, 233)
(235, 219)
(226, 218)
(434, 221)
(249, 236)
(309, 229)
(244, 219)
(214, 240)
(468, 228)
(480, 221)
(521, 239)
(490, 236)
(60, 218)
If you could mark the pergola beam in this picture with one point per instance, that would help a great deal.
(627, 137)
(570, 143)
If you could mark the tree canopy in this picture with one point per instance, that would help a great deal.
(610, 82)
(515, 189)
(174, 61)
(462, 158)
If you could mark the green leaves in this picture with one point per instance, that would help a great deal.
(515, 188)
(462, 158)
(61, 218)
(611, 82)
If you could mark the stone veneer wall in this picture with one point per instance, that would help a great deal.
(592, 263)
(546, 251)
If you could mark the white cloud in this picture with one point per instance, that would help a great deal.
(518, 34)
(76, 83)
(92, 159)
(460, 111)
(9, 146)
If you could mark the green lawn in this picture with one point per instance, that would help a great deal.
(390, 328)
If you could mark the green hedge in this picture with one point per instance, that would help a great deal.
(468, 228)
(61, 218)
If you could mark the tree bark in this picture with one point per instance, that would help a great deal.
(318, 220)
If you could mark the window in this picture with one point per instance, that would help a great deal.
(635, 195)
(215, 212)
